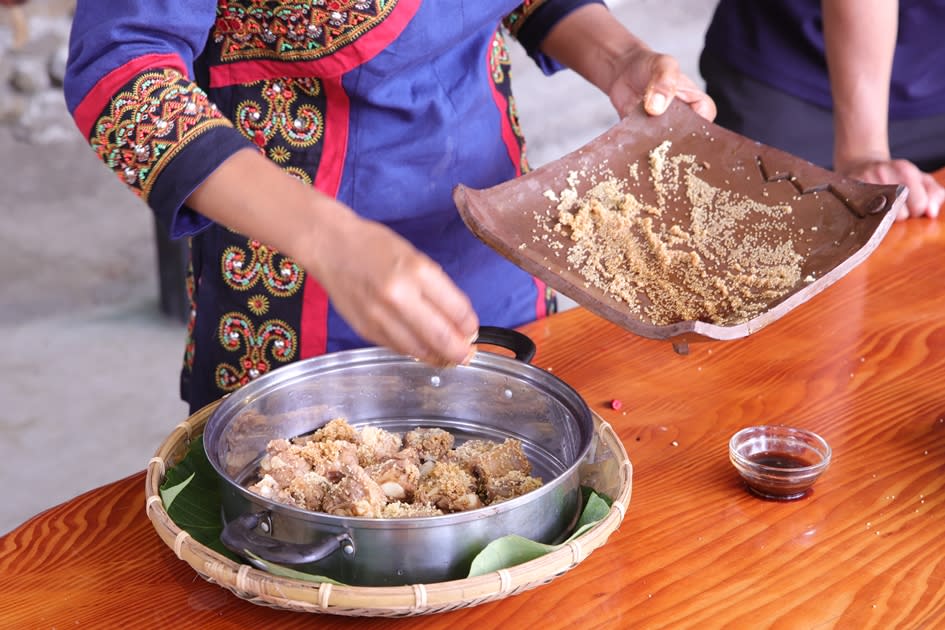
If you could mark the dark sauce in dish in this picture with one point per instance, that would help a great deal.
(779, 459)
(785, 489)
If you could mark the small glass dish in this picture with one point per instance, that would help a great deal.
(779, 462)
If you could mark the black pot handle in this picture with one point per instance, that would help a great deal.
(519, 343)
(239, 536)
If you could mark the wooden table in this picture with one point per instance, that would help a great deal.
(863, 364)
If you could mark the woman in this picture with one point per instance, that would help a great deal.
(310, 149)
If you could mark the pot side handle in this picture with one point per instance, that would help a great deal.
(519, 343)
(240, 537)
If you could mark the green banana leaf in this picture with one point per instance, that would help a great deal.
(508, 551)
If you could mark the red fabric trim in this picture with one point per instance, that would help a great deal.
(541, 306)
(332, 65)
(313, 336)
(314, 320)
(92, 106)
(335, 147)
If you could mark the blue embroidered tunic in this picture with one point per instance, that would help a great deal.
(384, 104)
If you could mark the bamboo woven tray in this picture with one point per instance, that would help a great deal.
(607, 471)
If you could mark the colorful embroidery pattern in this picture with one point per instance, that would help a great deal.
(258, 305)
(150, 122)
(291, 114)
(293, 31)
(274, 340)
(300, 174)
(500, 59)
(260, 342)
(189, 345)
(285, 118)
(524, 166)
(514, 20)
(241, 270)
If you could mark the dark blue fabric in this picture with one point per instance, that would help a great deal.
(107, 34)
(540, 23)
(182, 177)
(780, 120)
(781, 44)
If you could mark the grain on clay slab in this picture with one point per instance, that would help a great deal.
(722, 261)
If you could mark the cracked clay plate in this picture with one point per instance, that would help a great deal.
(718, 235)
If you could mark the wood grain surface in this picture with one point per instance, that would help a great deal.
(862, 364)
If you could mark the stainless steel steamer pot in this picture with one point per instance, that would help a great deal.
(494, 397)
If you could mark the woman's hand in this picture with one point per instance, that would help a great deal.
(389, 292)
(593, 43)
(395, 296)
(654, 78)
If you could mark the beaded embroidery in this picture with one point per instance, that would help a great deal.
(190, 343)
(147, 124)
(296, 121)
(285, 118)
(293, 31)
(500, 59)
(514, 20)
(241, 271)
(274, 339)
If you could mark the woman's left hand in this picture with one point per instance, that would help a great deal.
(592, 42)
(654, 78)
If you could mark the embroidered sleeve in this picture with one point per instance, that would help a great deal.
(533, 19)
(139, 108)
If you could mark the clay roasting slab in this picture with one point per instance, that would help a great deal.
(843, 220)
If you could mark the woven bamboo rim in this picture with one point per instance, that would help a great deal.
(266, 589)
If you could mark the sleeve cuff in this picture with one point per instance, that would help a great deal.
(530, 26)
(161, 135)
(184, 174)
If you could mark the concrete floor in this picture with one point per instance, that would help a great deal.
(88, 389)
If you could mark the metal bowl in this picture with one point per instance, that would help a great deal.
(493, 397)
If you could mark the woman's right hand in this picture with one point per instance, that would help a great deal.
(394, 295)
(389, 292)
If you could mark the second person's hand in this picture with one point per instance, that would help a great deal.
(926, 195)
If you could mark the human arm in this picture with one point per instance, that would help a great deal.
(860, 40)
(592, 42)
(389, 292)
(130, 87)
